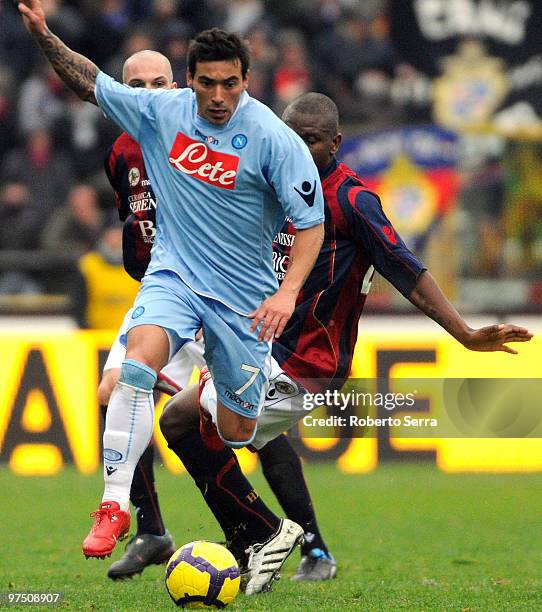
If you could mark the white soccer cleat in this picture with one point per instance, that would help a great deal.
(265, 560)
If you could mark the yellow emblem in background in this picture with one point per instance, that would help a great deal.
(471, 88)
(411, 200)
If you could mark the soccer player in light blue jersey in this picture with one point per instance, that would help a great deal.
(226, 172)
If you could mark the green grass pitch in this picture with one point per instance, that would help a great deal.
(406, 537)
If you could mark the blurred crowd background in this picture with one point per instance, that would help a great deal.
(467, 197)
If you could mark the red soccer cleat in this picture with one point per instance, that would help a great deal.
(110, 524)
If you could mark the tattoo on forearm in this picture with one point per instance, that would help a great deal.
(78, 72)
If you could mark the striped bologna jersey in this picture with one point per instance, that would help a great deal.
(136, 203)
(317, 346)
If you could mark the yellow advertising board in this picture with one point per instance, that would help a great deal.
(49, 413)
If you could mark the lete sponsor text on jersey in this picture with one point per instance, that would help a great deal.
(196, 159)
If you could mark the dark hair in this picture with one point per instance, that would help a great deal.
(316, 104)
(216, 45)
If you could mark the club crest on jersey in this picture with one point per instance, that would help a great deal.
(195, 159)
(239, 141)
(133, 176)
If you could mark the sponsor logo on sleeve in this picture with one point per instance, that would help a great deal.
(307, 192)
(389, 232)
(195, 159)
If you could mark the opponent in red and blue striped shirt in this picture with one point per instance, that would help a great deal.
(317, 346)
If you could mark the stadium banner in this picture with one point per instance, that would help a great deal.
(479, 61)
(49, 413)
(413, 169)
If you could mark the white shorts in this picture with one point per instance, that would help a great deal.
(178, 370)
(282, 409)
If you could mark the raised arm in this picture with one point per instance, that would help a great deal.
(77, 72)
(390, 256)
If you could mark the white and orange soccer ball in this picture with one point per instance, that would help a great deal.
(202, 575)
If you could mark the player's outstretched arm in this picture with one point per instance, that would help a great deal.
(428, 297)
(78, 72)
(273, 314)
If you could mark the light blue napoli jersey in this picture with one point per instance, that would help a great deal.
(222, 191)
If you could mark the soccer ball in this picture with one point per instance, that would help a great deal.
(202, 575)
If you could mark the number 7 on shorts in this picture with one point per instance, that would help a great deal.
(248, 368)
